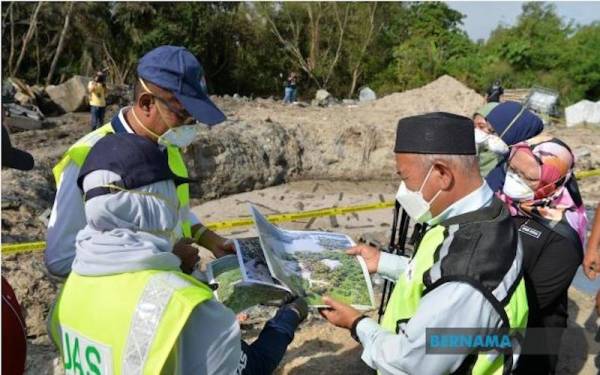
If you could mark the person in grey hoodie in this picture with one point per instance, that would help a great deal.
(131, 214)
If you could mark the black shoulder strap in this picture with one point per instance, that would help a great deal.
(103, 190)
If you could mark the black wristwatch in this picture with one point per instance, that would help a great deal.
(353, 329)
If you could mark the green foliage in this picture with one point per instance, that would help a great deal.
(249, 48)
(345, 282)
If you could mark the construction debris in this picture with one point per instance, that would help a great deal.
(543, 101)
(583, 112)
(22, 116)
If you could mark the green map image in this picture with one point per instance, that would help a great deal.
(238, 297)
(335, 274)
(227, 281)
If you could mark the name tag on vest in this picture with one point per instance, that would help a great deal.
(530, 231)
(84, 356)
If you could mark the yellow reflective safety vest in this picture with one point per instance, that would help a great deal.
(480, 248)
(78, 152)
(127, 323)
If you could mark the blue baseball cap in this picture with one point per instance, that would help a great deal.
(137, 160)
(177, 70)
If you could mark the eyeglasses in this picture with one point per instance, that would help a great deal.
(182, 114)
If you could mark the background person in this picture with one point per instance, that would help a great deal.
(97, 91)
(513, 123)
(591, 261)
(495, 92)
(490, 147)
(290, 88)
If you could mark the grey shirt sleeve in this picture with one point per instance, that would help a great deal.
(391, 266)
(210, 341)
(67, 218)
(451, 305)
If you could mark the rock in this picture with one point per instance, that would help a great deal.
(234, 147)
(366, 95)
(236, 96)
(322, 95)
(71, 96)
(324, 99)
(581, 153)
(349, 102)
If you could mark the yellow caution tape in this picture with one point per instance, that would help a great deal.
(242, 222)
(23, 247)
(591, 173)
(278, 218)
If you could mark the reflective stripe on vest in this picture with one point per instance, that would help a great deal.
(124, 324)
(409, 290)
(78, 152)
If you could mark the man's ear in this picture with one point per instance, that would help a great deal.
(446, 176)
(145, 101)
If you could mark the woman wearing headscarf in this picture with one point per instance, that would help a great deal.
(486, 140)
(510, 123)
(552, 224)
(127, 307)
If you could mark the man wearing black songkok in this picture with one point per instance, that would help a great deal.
(467, 267)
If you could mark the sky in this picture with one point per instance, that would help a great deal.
(483, 16)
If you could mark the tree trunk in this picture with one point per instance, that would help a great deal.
(27, 38)
(8, 9)
(61, 42)
(37, 56)
(11, 56)
(315, 35)
(355, 74)
(342, 27)
(294, 50)
(356, 70)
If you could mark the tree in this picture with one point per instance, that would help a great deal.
(61, 40)
(27, 38)
(431, 42)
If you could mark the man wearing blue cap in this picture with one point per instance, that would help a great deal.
(170, 100)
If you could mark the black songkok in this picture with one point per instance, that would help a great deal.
(435, 133)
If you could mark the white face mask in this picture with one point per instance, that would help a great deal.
(181, 136)
(496, 145)
(413, 202)
(480, 136)
(516, 188)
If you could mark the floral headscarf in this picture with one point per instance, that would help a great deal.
(554, 205)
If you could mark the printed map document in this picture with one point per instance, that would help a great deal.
(281, 263)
